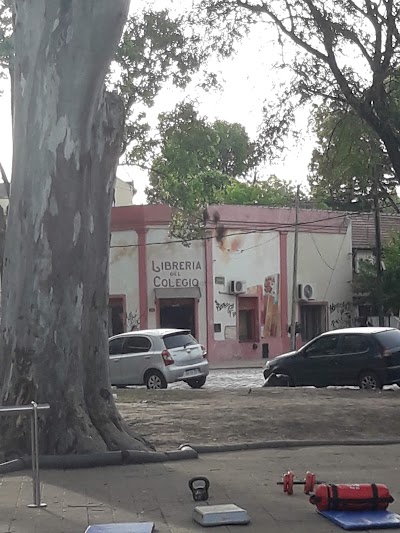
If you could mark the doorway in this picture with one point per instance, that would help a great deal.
(313, 320)
(178, 313)
(116, 315)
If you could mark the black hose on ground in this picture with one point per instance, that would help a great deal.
(92, 460)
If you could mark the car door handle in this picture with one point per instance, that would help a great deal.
(147, 357)
(116, 360)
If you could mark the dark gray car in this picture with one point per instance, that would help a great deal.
(367, 357)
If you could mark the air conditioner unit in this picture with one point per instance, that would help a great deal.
(237, 287)
(306, 291)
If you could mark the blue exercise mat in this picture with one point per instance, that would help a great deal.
(135, 527)
(352, 520)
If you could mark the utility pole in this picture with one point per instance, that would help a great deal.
(378, 246)
(294, 282)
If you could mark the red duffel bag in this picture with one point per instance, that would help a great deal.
(363, 497)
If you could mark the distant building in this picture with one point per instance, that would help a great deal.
(233, 293)
(123, 195)
(3, 197)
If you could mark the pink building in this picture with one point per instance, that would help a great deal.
(233, 292)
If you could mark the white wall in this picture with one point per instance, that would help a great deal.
(325, 262)
(124, 273)
(244, 257)
(123, 193)
(172, 265)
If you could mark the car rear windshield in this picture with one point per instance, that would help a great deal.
(389, 339)
(177, 340)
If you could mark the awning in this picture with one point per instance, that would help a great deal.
(182, 292)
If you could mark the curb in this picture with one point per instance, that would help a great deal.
(185, 452)
(277, 444)
(124, 457)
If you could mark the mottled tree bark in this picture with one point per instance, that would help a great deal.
(67, 139)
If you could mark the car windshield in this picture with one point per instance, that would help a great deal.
(177, 340)
(389, 339)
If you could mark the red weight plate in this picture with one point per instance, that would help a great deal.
(290, 476)
(309, 483)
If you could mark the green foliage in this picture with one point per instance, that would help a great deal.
(197, 160)
(365, 282)
(6, 30)
(203, 163)
(345, 52)
(155, 49)
(347, 161)
(270, 192)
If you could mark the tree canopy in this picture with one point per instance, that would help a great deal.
(197, 159)
(346, 51)
(349, 166)
(156, 48)
(202, 163)
(365, 281)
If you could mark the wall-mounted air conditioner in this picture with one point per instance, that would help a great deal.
(237, 287)
(306, 291)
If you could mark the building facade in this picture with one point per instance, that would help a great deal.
(232, 288)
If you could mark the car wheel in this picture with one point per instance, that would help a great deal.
(196, 383)
(368, 380)
(273, 381)
(155, 380)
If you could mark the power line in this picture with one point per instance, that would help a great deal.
(319, 253)
(261, 230)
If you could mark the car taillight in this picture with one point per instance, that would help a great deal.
(167, 358)
(204, 350)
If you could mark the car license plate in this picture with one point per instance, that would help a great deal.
(191, 372)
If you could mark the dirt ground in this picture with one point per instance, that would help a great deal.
(168, 418)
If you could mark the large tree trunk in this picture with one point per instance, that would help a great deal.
(67, 138)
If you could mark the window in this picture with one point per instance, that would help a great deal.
(115, 346)
(326, 345)
(178, 340)
(246, 321)
(248, 313)
(354, 344)
(136, 344)
(389, 339)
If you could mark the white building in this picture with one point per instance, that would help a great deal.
(233, 292)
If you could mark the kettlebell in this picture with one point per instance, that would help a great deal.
(199, 486)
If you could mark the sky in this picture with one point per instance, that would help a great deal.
(248, 81)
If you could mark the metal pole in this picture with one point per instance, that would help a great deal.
(294, 282)
(35, 458)
(378, 245)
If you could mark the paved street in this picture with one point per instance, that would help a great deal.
(159, 492)
(233, 378)
(230, 378)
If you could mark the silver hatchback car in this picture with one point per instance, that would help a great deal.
(156, 357)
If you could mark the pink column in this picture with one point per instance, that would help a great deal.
(143, 303)
(210, 298)
(284, 288)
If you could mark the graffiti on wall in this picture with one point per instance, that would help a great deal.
(132, 321)
(340, 314)
(230, 308)
(271, 306)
